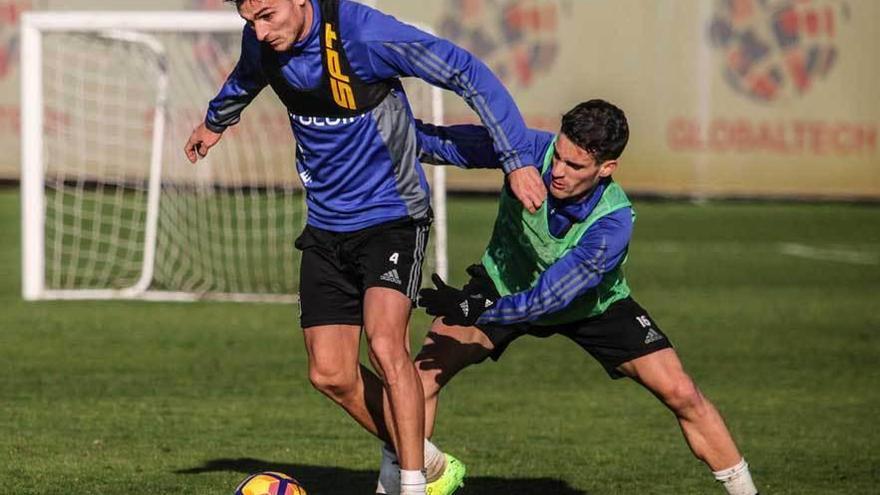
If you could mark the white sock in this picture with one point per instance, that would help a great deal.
(737, 480)
(412, 482)
(389, 472)
(435, 462)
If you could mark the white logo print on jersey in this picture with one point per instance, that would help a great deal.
(325, 121)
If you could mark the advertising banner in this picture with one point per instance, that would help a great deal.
(765, 98)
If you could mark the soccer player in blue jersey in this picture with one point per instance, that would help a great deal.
(560, 271)
(336, 66)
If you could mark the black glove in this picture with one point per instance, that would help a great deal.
(456, 306)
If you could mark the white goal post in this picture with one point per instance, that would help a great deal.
(111, 209)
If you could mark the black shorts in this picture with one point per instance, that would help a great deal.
(337, 268)
(625, 331)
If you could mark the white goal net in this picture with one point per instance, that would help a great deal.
(111, 206)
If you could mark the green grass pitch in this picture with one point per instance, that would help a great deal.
(775, 310)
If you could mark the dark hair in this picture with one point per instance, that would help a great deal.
(597, 127)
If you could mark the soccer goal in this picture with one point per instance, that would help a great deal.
(112, 209)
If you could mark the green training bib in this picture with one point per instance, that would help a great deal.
(522, 248)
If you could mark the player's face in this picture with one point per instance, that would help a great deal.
(278, 23)
(575, 172)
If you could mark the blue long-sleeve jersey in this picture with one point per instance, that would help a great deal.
(602, 248)
(364, 170)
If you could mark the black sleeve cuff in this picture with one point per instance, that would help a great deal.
(214, 127)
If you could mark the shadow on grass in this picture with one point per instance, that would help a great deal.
(319, 480)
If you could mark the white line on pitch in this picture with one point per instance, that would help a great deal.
(837, 254)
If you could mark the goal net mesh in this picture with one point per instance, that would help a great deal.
(223, 227)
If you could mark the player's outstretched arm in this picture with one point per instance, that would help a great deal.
(395, 49)
(471, 146)
(200, 141)
(463, 145)
(241, 87)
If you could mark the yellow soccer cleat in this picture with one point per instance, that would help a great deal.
(451, 480)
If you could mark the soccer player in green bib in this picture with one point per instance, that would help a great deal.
(560, 271)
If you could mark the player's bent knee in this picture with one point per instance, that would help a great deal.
(682, 395)
(337, 385)
(388, 350)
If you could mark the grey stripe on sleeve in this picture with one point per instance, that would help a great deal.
(430, 63)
